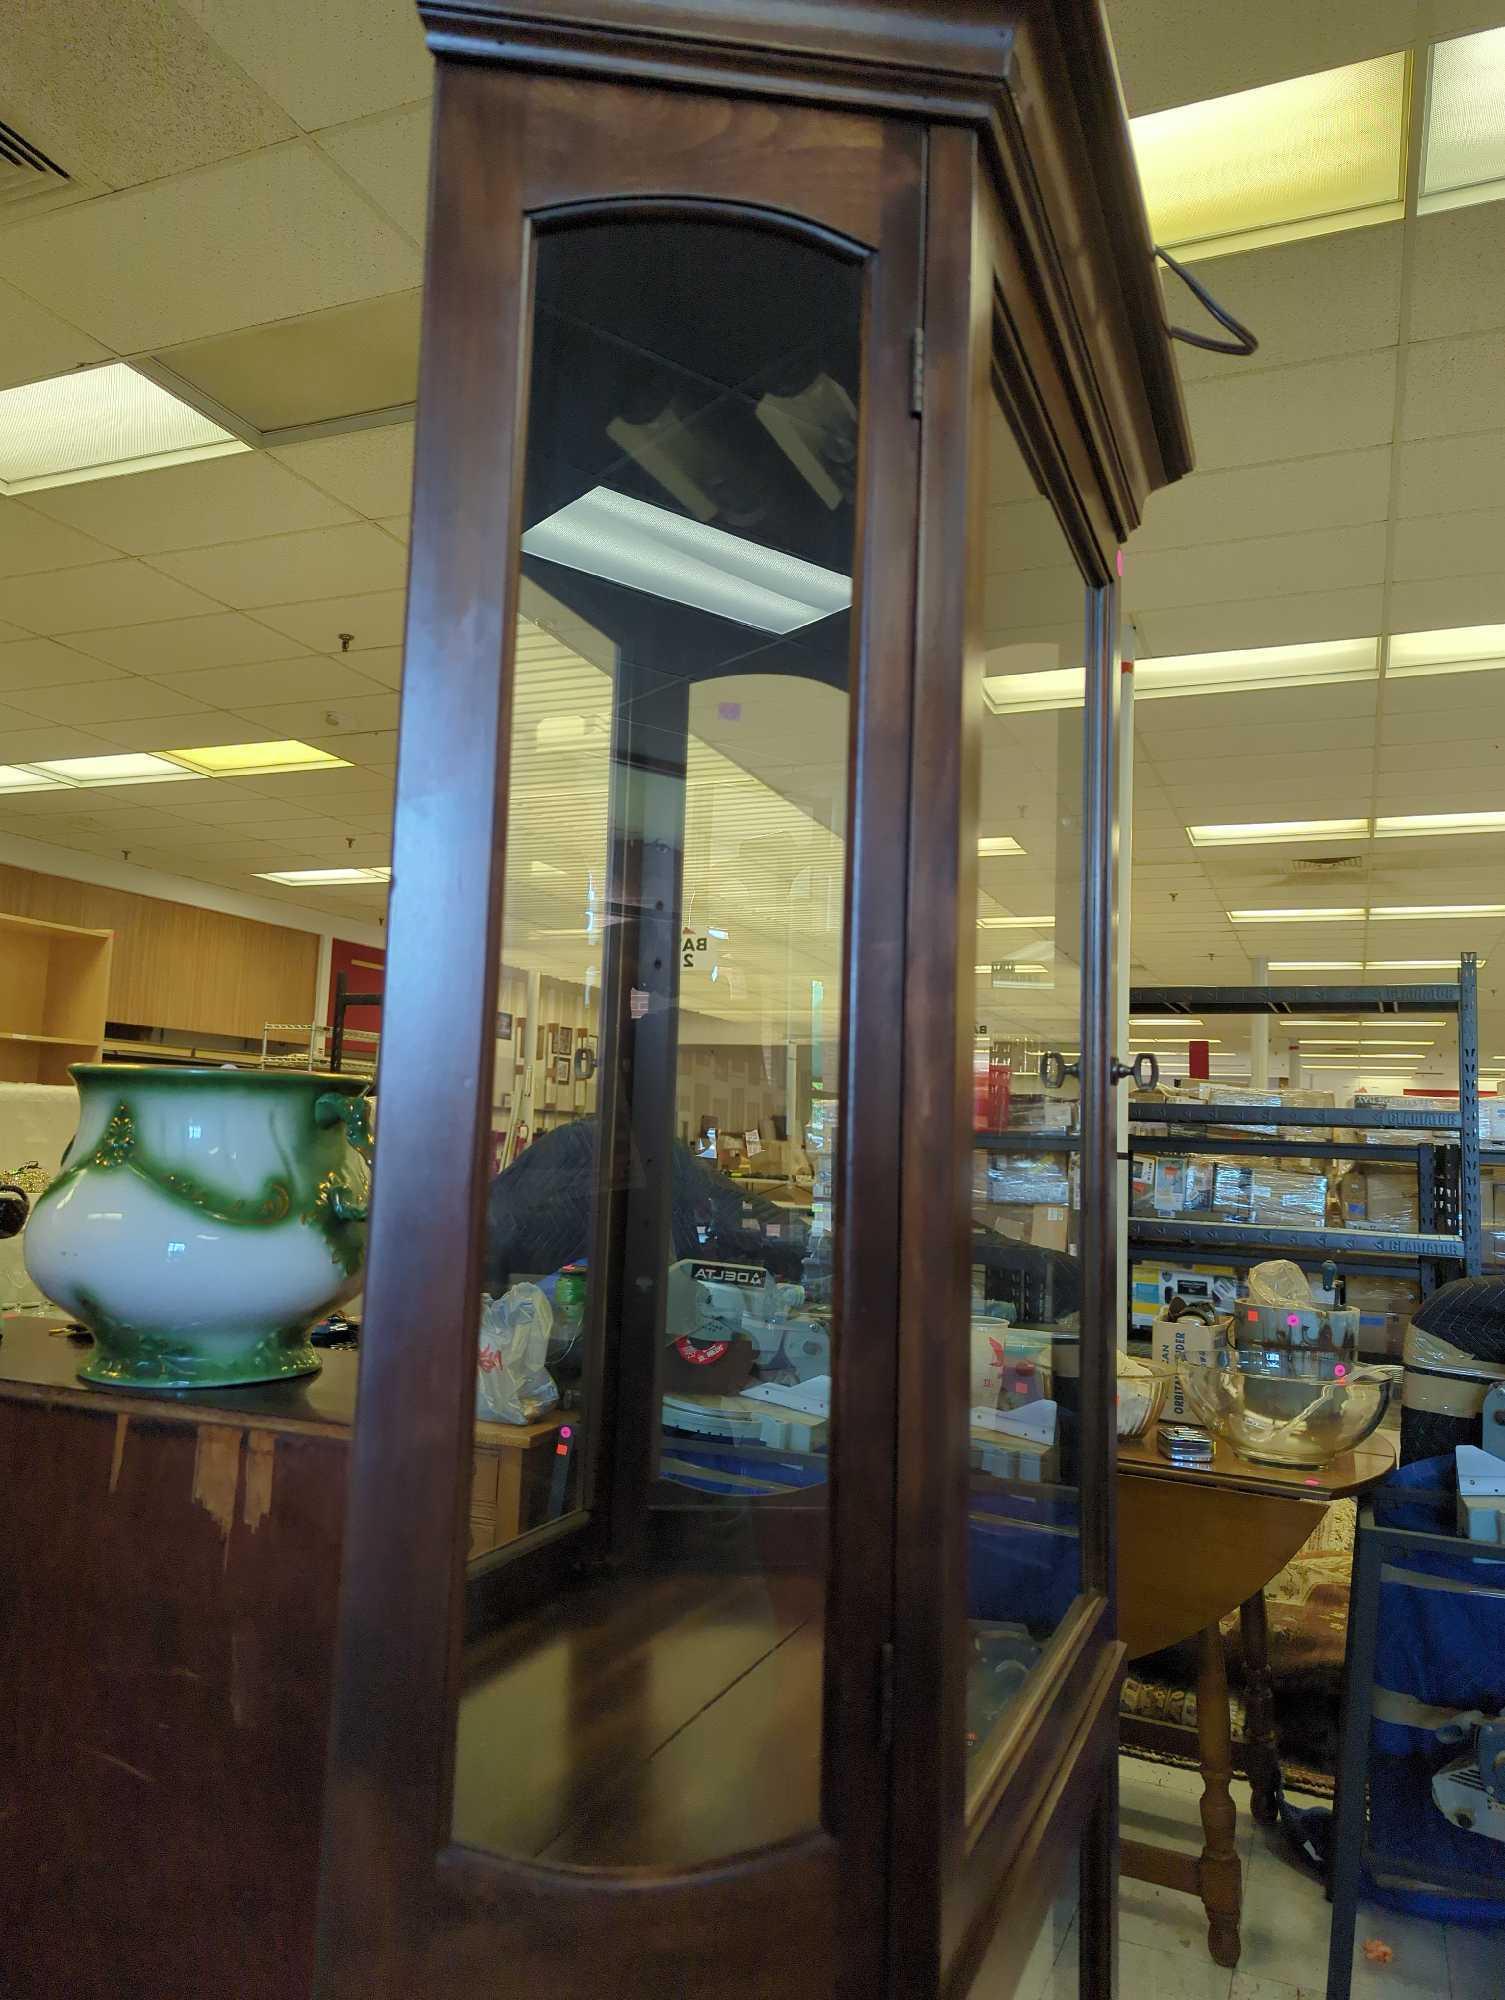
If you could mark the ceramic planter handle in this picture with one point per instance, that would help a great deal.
(334, 1108)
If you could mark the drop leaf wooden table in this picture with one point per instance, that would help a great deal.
(1195, 1543)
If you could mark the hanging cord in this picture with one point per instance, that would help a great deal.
(1243, 341)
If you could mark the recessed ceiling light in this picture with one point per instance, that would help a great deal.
(1316, 965)
(999, 843)
(95, 423)
(1365, 1042)
(1393, 911)
(1412, 964)
(323, 878)
(1016, 923)
(650, 549)
(1283, 161)
(1402, 1024)
(1249, 670)
(1343, 916)
(1406, 826)
(1463, 158)
(1262, 833)
(16, 778)
(133, 767)
(1460, 649)
(256, 760)
(1165, 1020)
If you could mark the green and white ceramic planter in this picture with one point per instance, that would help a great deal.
(204, 1220)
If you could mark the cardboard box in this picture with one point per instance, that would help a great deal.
(1153, 1286)
(1390, 1202)
(1176, 1342)
(1046, 1225)
(1030, 1177)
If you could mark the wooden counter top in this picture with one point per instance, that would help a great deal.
(1350, 1472)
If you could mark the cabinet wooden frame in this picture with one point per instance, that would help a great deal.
(864, 123)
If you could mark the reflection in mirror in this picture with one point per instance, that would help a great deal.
(1023, 1542)
(647, 1526)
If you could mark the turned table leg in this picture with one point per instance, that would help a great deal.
(1218, 1870)
(1261, 1752)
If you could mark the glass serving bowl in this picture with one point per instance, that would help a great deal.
(1284, 1408)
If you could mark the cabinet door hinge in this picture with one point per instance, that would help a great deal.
(916, 371)
(886, 1696)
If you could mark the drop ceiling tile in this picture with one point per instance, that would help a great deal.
(97, 595)
(223, 639)
(331, 791)
(304, 720)
(1445, 545)
(13, 719)
(182, 729)
(338, 60)
(240, 688)
(1282, 413)
(1179, 51)
(43, 663)
(1328, 295)
(1454, 386)
(382, 663)
(339, 363)
(288, 569)
(1291, 621)
(388, 156)
(35, 343)
(26, 746)
(131, 91)
(272, 234)
(1275, 565)
(30, 542)
(374, 620)
(93, 705)
(190, 506)
(1442, 602)
(1451, 475)
(222, 802)
(1458, 271)
(398, 526)
(1344, 489)
(370, 470)
(375, 750)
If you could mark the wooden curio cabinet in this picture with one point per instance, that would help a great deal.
(791, 377)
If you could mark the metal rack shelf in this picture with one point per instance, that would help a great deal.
(1338, 1243)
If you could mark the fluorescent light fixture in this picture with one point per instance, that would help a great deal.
(1016, 923)
(1161, 1043)
(1335, 916)
(1272, 832)
(1412, 964)
(1463, 154)
(257, 760)
(1316, 965)
(649, 548)
(324, 878)
(998, 843)
(16, 778)
(1459, 649)
(1409, 826)
(1390, 912)
(1403, 1024)
(95, 423)
(1248, 670)
(1283, 161)
(130, 767)
(1344, 1042)
(1165, 1021)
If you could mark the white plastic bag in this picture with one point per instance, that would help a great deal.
(512, 1384)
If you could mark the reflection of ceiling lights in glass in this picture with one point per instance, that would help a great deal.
(998, 843)
(96, 423)
(1247, 670)
(1285, 160)
(1346, 916)
(1463, 154)
(648, 548)
(257, 760)
(1459, 649)
(324, 878)
(1271, 832)
(1137, 1021)
(1316, 965)
(136, 767)
(1016, 923)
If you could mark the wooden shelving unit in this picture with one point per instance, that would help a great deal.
(54, 985)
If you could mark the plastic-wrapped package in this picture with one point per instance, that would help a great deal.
(512, 1384)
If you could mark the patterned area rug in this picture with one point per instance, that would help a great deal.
(1307, 1606)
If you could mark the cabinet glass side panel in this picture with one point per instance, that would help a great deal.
(1023, 1520)
(655, 1352)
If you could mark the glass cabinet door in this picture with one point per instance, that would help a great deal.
(659, 1256)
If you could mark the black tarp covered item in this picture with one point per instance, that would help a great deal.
(1454, 1355)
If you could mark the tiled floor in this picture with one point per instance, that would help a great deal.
(1163, 1936)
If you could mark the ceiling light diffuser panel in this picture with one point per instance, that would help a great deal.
(1411, 826)
(324, 878)
(1459, 649)
(1268, 833)
(257, 760)
(1463, 155)
(96, 423)
(135, 767)
(1247, 670)
(650, 549)
(1292, 159)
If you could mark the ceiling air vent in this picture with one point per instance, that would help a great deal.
(26, 173)
(1328, 864)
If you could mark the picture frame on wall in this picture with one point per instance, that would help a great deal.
(563, 1071)
(564, 1041)
(504, 1027)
